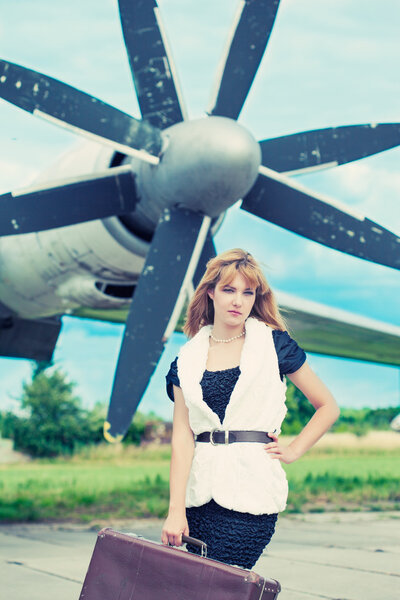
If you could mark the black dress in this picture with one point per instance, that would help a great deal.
(231, 536)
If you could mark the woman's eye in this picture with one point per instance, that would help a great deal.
(249, 293)
(227, 290)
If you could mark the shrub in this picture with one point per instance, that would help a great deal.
(299, 410)
(7, 424)
(55, 422)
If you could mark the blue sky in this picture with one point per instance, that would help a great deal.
(328, 63)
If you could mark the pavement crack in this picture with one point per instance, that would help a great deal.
(25, 566)
(308, 593)
(335, 546)
(30, 537)
(335, 566)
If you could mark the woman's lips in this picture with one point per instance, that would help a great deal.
(234, 312)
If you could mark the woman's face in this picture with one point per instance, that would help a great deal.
(232, 302)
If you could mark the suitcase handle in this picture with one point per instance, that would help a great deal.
(186, 539)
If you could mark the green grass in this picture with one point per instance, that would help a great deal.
(83, 490)
(126, 482)
(345, 481)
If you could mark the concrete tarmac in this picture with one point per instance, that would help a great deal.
(340, 556)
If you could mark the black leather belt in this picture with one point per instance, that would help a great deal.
(220, 436)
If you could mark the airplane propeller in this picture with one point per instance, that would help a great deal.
(182, 241)
(322, 148)
(321, 219)
(157, 90)
(103, 195)
(77, 111)
(251, 35)
(169, 268)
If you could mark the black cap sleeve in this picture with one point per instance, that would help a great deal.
(290, 356)
(172, 378)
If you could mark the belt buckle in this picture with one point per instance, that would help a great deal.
(212, 436)
(226, 440)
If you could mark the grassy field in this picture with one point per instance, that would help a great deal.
(343, 472)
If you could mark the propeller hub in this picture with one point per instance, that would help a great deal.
(206, 165)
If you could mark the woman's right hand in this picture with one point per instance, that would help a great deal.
(175, 526)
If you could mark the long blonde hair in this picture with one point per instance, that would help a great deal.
(223, 269)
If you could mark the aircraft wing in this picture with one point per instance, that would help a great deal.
(335, 332)
(317, 328)
(113, 315)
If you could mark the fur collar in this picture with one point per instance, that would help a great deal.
(192, 362)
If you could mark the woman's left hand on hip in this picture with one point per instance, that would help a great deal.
(282, 453)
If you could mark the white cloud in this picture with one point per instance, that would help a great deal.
(12, 375)
(14, 175)
(375, 190)
(357, 384)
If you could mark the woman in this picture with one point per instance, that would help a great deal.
(226, 481)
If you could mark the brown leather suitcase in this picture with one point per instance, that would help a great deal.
(127, 567)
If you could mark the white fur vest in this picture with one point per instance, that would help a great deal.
(239, 476)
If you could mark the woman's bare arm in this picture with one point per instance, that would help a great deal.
(326, 413)
(181, 461)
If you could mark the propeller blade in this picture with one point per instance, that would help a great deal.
(169, 267)
(324, 148)
(152, 69)
(207, 254)
(246, 49)
(79, 112)
(68, 202)
(280, 200)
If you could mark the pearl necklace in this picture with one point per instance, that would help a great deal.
(230, 339)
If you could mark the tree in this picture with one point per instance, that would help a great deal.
(7, 424)
(55, 422)
(299, 410)
(147, 428)
(40, 366)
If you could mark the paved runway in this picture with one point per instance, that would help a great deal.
(345, 556)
